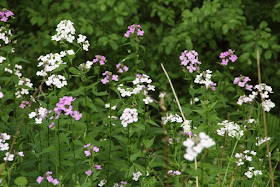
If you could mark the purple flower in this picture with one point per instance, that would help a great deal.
(228, 56)
(76, 115)
(88, 172)
(108, 75)
(51, 125)
(121, 68)
(115, 78)
(98, 167)
(242, 81)
(131, 30)
(95, 149)
(50, 178)
(100, 59)
(87, 153)
(87, 146)
(189, 59)
(55, 182)
(39, 179)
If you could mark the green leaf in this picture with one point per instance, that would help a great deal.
(225, 29)
(21, 181)
(267, 54)
(148, 143)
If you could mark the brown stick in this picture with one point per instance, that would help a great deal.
(20, 124)
(180, 108)
(264, 122)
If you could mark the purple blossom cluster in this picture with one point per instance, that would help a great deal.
(121, 68)
(90, 147)
(121, 184)
(228, 56)
(49, 178)
(23, 104)
(5, 14)
(108, 75)
(132, 29)
(189, 59)
(173, 173)
(100, 59)
(64, 107)
(242, 81)
(89, 171)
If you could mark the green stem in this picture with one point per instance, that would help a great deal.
(230, 161)
(73, 147)
(59, 150)
(110, 135)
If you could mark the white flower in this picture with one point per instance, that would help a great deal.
(21, 154)
(129, 115)
(249, 174)
(148, 100)
(102, 183)
(186, 126)
(268, 105)
(65, 31)
(2, 59)
(231, 128)
(10, 157)
(262, 140)
(57, 80)
(136, 175)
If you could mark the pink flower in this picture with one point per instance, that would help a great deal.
(100, 59)
(55, 182)
(22, 105)
(48, 173)
(50, 178)
(98, 167)
(87, 153)
(115, 78)
(39, 179)
(51, 125)
(88, 172)
(131, 30)
(87, 146)
(76, 115)
(228, 56)
(95, 149)
(189, 59)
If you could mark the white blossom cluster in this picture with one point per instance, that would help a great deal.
(174, 173)
(1, 93)
(196, 145)
(23, 81)
(2, 59)
(204, 78)
(4, 35)
(186, 126)
(264, 91)
(172, 118)
(57, 80)
(129, 115)
(231, 128)
(65, 31)
(251, 172)
(50, 62)
(261, 140)
(82, 40)
(136, 175)
(4, 146)
(85, 66)
(102, 183)
(192, 101)
(245, 156)
(142, 83)
(39, 114)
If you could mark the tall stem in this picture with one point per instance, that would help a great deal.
(225, 177)
(73, 147)
(264, 122)
(180, 108)
(110, 135)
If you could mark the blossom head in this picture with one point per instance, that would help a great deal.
(132, 29)
(5, 14)
(189, 60)
(228, 56)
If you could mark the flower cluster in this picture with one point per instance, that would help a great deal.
(187, 127)
(196, 145)
(100, 59)
(39, 114)
(108, 75)
(62, 105)
(57, 80)
(102, 183)
(121, 68)
(172, 118)
(23, 104)
(174, 173)
(205, 79)
(5, 14)
(231, 128)
(264, 91)
(90, 147)
(142, 82)
(121, 184)
(261, 140)
(251, 172)
(49, 178)
(228, 56)
(52, 61)
(65, 31)
(82, 40)
(85, 66)
(108, 105)
(136, 175)
(245, 156)
(129, 115)
(132, 29)
(4, 35)
(189, 59)
(4, 146)
(242, 82)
